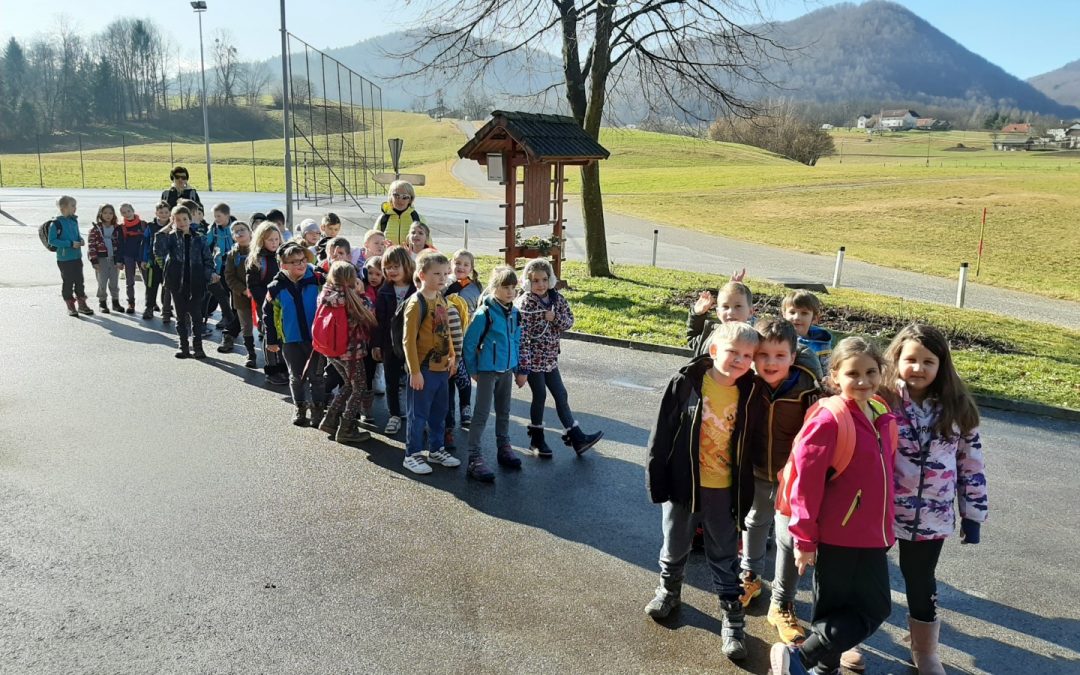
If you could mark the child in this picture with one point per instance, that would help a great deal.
(429, 356)
(276, 217)
(545, 314)
(466, 280)
(939, 462)
(132, 233)
(374, 275)
(398, 212)
(420, 239)
(695, 469)
(329, 228)
(308, 233)
(490, 349)
(65, 237)
(289, 307)
(152, 274)
(782, 393)
(842, 523)
(457, 317)
(344, 289)
(185, 256)
(220, 238)
(261, 268)
(374, 278)
(374, 244)
(236, 281)
(733, 302)
(196, 210)
(103, 248)
(337, 248)
(803, 309)
(467, 287)
(398, 269)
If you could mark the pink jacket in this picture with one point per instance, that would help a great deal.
(856, 509)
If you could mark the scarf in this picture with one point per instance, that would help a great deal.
(133, 227)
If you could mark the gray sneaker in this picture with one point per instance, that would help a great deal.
(664, 603)
(733, 629)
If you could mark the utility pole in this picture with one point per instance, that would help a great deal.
(200, 6)
(285, 81)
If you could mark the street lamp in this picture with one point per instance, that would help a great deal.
(200, 6)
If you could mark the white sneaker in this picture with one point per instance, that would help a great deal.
(444, 458)
(393, 425)
(416, 464)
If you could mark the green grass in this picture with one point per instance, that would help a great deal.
(650, 305)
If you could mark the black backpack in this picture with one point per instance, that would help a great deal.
(397, 324)
(43, 233)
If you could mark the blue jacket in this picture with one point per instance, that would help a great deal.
(220, 240)
(152, 228)
(289, 308)
(819, 341)
(62, 234)
(499, 350)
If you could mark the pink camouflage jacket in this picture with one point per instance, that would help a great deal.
(539, 352)
(933, 473)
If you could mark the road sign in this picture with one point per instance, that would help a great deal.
(387, 178)
(395, 152)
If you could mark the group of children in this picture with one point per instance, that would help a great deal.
(747, 439)
(329, 315)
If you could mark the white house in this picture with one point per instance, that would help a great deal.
(862, 121)
(1056, 134)
(898, 119)
(826, 127)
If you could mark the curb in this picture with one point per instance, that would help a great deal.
(992, 402)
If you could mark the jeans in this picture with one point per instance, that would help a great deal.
(108, 279)
(540, 384)
(490, 387)
(427, 409)
(301, 373)
(851, 600)
(758, 520)
(785, 575)
(918, 562)
(130, 265)
(71, 279)
(721, 541)
(189, 315)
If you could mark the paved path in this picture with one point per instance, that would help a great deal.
(164, 516)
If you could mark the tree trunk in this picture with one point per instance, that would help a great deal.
(592, 211)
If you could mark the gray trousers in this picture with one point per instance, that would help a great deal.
(108, 277)
(491, 386)
(721, 541)
(786, 575)
(756, 536)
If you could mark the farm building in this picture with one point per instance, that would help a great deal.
(931, 124)
(1016, 128)
(862, 121)
(897, 120)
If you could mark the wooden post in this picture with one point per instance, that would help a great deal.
(558, 229)
(510, 176)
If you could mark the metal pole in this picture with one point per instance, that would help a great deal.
(172, 160)
(123, 146)
(40, 173)
(982, 234)
(205, 119)
(655, 241)
(286, 82)
(254, 181)
(466, 244)
(839, 267)
(82, 167)
(1, 174)
(961, 286)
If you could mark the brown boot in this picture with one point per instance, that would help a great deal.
(853, 659)
(347, 431)
(84, 308)
(71, 308)
(924, 646)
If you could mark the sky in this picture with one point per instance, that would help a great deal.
(1025, 40)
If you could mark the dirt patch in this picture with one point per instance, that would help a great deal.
(960, 147)
(884, 327)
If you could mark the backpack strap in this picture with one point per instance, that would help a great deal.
(487, 327)
(845, 434)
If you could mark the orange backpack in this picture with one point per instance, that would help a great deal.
(842, 452)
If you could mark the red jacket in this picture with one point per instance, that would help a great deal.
(856, 509)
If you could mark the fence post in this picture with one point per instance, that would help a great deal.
(1, 173)
(82, 167)
(961, 285)
(655, 240)
(466, 244)
(172, 162)
(254, 182)
(40, 174)
(839, 267)
(123, 147)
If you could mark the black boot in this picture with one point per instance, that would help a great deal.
(317, 412)
(196, 348)
(300, 418)
(227, 342)
(330, 421)
(733, 629)
(537, 443)
(184, 352)
(579, 440)
(249, 345)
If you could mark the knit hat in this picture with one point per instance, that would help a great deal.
(307, 225)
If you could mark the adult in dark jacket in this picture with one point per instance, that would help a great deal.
(179, 188)
(188, 265)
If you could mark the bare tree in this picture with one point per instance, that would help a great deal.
(254, 79)
(676, 55)
(781, 130)
(226, 66)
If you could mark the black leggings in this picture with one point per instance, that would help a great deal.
(393, 368)
(918, 562)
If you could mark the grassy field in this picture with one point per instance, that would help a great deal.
(1002, 357)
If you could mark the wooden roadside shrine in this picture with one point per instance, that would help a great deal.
(541, 147)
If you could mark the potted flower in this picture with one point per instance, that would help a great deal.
(537, 246)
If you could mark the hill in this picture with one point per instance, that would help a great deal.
(1062, 85)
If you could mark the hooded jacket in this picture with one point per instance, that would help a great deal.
(540, 337)
(63, 233)
(173, 256)
(500, 328)
(96, 250)
(782, 413)
(385, 305)
(673, 459)
(289, 307)
(819, 341)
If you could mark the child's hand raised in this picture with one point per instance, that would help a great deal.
(738, 275)
(704, 303)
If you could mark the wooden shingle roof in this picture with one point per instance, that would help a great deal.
(544, 138)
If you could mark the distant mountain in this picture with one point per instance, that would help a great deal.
(882, 51)
(1062, 85)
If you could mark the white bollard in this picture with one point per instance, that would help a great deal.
(466, 244)
(961, 285)
(655, 239)
(839, 267)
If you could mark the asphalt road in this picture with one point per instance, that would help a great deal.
(163, 515)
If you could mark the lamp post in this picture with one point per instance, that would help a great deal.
(200, 6)
(285, 82)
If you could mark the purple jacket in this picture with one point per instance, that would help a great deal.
(933, 473)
